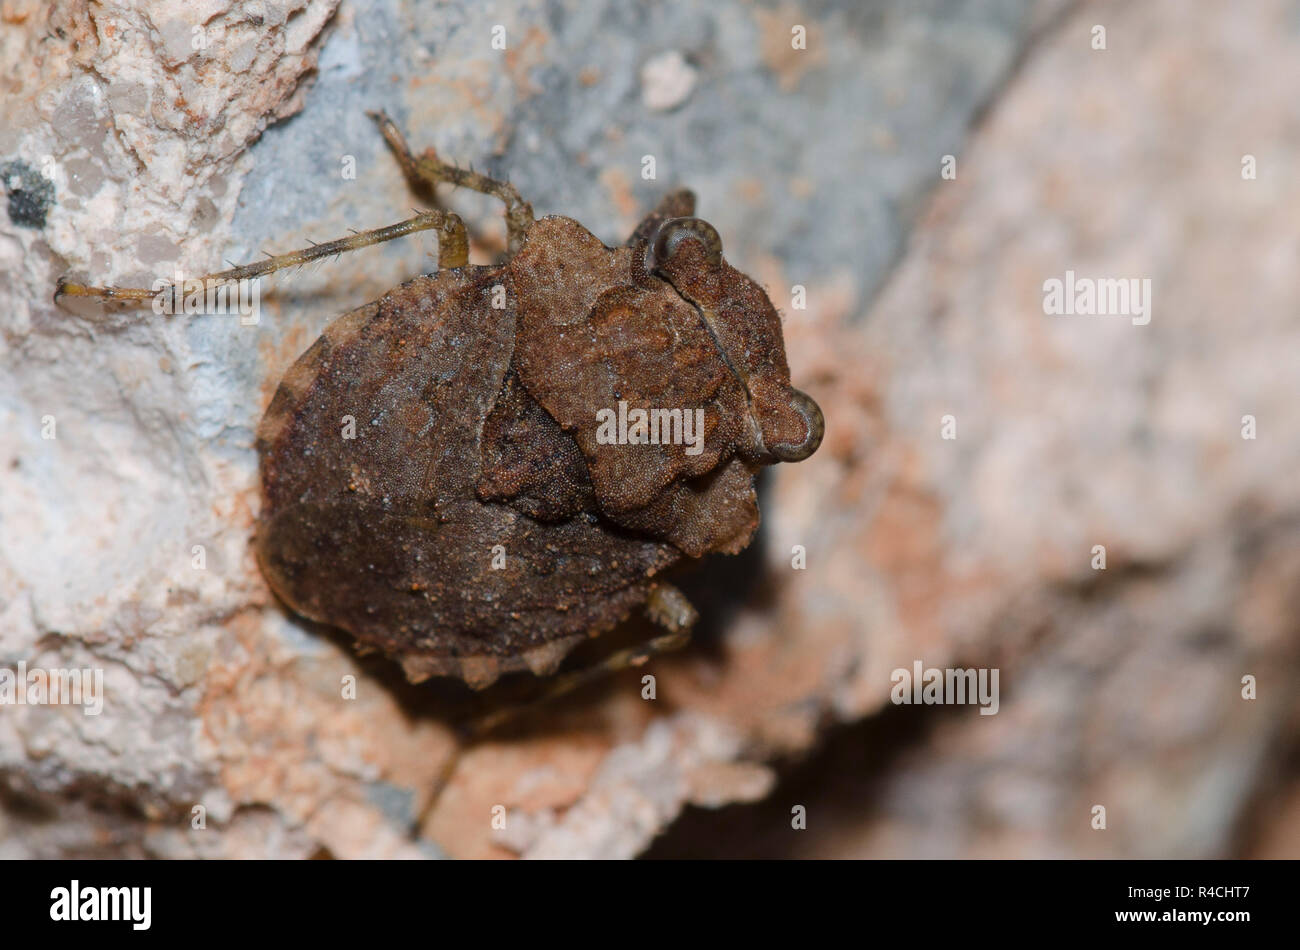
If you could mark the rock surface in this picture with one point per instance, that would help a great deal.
(124, 540)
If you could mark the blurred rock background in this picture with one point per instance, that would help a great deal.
(173, 135)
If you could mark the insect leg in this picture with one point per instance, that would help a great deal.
(453, 251)
(428, 169)
(666, 606)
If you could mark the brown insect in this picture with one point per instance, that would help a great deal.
(479, 518)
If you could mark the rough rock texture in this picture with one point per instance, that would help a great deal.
(154, 123)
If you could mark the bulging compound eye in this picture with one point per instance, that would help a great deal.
(676, 230)
(804, 405)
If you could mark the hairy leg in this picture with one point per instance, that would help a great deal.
(666, 606)
(453, 251)
(429, 170)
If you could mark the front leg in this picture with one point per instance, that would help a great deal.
(666, 606)
(429, 170)
(453, 251)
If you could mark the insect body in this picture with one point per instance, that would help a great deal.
(435, 476)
